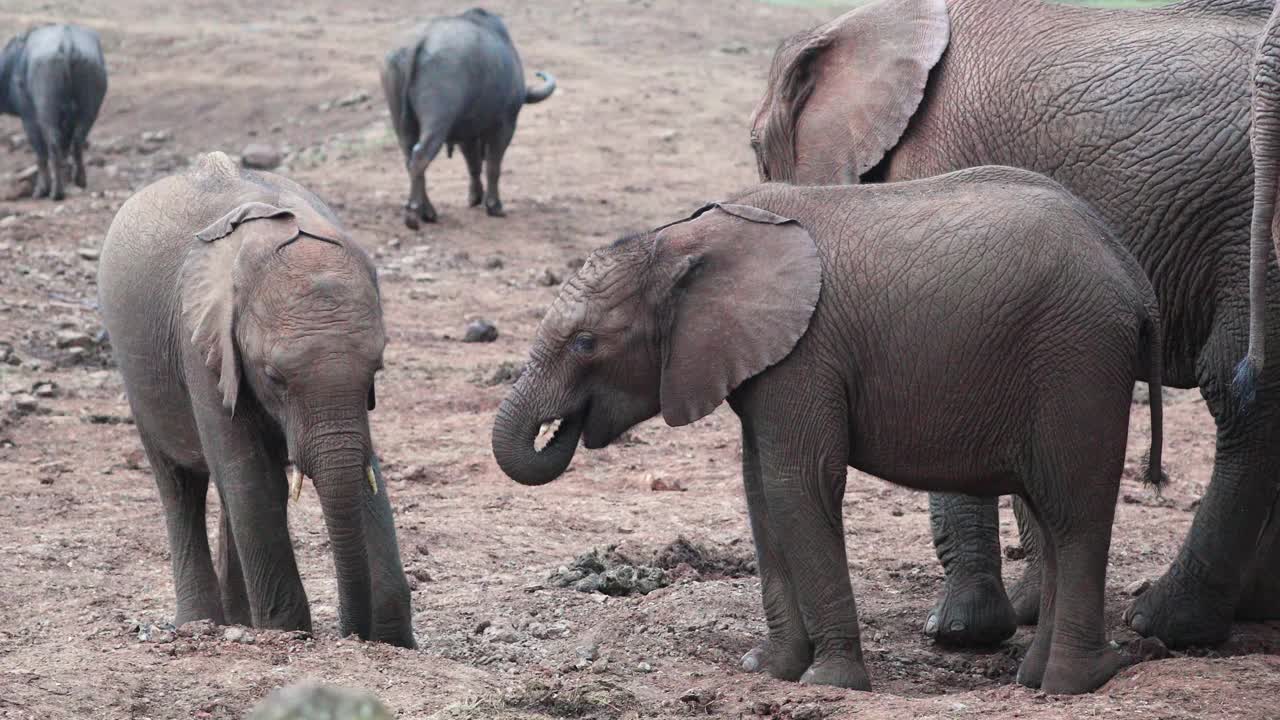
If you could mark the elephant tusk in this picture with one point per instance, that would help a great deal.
(373, 481)
(295, 483)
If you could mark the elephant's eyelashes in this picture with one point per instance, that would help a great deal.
(584, 344)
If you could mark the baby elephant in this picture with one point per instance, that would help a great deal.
(978, 332)
(248, 327)
(54, 78)
(457, 81)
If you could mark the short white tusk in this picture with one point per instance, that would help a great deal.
(295, 483)
(373, 481)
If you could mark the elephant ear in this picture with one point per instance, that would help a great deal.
(852, 86)
(745, 283)
(242, 239)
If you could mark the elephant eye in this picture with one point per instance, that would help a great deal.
(274, 376)
(584, 344)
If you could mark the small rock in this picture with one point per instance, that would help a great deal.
(587, 652)
(644, 667)
(480, 331)
(658, 484)
(421, 574)
(237, 635)
(259, 156)
(197, 628)
(1148, 648)
(481, 627)
(19, 185)
(506, 373)
(74, 338)
(1015, 552)
(88, 253)
(45, 390)
(157, 137)
(1137, 587)
(312, 701)
(502, 635)
(548, 278)
(735, 48)
(135, 459)
(25, 404)
(423, 549)
(424, 278)
(813, 711)
(668, 135)
(354, 98)
(494, 263)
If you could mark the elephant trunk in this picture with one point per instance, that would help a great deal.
(515, 435)
(538, 94)
(1265, 145)
(337, 457)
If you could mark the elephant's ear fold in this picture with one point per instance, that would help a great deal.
(243, 238)
(846, 91)
(743, 285)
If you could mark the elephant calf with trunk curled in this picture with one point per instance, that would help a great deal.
(979, 332)
(248, 327)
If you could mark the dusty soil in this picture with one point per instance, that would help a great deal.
(648, 123)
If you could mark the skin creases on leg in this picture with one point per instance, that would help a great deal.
(973, 609)
(1024, 595)
(1031, 671)
(804, 463)
(495, 147)
(786, 653)
(182, 492)
(235, 595)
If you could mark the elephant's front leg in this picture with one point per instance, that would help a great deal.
(183, 493)
(804, 463)
(974, 609)
(786, 653)
(251, 482)
(235, 596)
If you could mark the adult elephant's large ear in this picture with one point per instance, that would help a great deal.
(841, 95)
(743, 285)
(243, 238)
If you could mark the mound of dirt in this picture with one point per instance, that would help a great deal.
(610, 571)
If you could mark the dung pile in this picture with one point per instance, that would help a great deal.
(611, 572)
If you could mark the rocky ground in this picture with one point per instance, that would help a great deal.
(526, 601)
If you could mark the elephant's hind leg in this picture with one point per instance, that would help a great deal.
(974, 609)
(235, 595)
(183, 492)
(419, 207)
(1025, 594)
(787, 652)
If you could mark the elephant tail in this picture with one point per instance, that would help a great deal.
(538, 94)
(1264, 140)
(1152, 465)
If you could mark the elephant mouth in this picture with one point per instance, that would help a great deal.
(555, 433)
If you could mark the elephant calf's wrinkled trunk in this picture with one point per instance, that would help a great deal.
(341, 479)
(516, 430)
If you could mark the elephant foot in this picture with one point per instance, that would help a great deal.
(1024, 596)
(974, 612)
(1260, 599)
(1182, 611)
(199, 612)
(494, 208)
(783, 661)
(1081, 673)
(841, 672)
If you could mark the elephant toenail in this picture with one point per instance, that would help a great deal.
(957, 626)
(750, 662)
(931, 625)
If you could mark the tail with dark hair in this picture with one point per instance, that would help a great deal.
(1152, 470)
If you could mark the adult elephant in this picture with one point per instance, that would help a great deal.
(1145, 115)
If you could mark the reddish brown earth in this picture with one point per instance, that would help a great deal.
(648, 123)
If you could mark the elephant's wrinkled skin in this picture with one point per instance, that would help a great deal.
(978, 332)
(248, 328)
(54, 78)
(1144, 114)
(457, 81)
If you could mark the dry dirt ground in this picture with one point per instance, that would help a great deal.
(648, 123)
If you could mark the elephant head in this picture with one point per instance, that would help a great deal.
(840, 95)
(669, 321)
(285, 312)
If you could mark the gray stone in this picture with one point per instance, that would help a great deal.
(480, 331)
(88, 253)
(1137, 587)
(24, 403)
(73, 338)
(259, 156)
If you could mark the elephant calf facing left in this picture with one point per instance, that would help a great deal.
(248, 328)
(979, 332)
